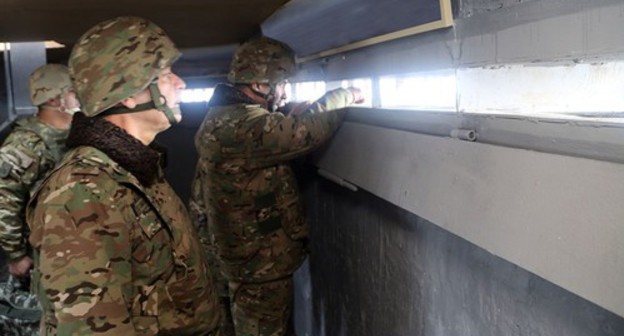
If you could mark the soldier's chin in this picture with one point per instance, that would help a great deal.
(281, 103)
(177, 113)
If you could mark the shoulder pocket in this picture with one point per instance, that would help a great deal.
(146, 218)
(16, 157)
(151, 245)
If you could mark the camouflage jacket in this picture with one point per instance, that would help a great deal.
(26, 157)
(114, 254)
(247, 184)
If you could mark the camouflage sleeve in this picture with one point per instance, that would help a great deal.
(20, 160)
(85, 257)
(285, 138)
(197, 207)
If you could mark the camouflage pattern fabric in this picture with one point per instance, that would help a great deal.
(262, 60)
(47, 82)
(200, 221)
(114, 257)
(18, 327)
(116, 59)
(263, 308)
(251, 198)
(19, 310)
(28, 154)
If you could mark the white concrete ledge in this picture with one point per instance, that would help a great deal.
(557, 216)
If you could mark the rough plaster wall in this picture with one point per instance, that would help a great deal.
(378, 270)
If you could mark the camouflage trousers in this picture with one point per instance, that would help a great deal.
(262, 309)
(19, 310)
(16, 327)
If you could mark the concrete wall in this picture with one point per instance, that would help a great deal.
(376, 269)
(532, 217)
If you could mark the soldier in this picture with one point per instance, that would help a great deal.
(115, 251)
(254, 211)
(28, 154)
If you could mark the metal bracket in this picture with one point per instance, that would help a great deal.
(338, 180)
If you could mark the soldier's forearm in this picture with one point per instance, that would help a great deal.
(332, 100)
(12, 239)
(17, 254)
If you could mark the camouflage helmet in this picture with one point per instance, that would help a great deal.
(47, 82)
(116, 59)
(263, 60)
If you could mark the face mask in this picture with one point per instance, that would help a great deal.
(66, 99)
(72, 110)
(69, 110)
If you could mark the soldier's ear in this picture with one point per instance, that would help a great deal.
(258, 87)
(129, 103)
(53, 102)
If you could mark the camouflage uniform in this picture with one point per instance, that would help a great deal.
(255, 214)
(19, 310)
(200, 222)
(115, 251)
(116, 257)
(28, 154)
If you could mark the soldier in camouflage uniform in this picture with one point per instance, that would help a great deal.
(28, 154)
(31, 150)
(115, 251)
(254, 211)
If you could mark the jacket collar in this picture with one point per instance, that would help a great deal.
(140, 160)
(226, 94)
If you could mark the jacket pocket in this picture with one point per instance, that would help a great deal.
(150, 240)
(145, 309)
(236, 241)
(146, 325)
(293, 222)
(181, 307)
(146, 218)
(186, 293)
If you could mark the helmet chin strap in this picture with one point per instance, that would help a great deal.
(268, 97)
(162, 106)
(155, 103)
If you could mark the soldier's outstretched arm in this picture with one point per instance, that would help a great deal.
(285, 138)
(19, 169)
(83, 239)
(335, 99)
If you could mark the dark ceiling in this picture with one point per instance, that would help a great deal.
(201, 27)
